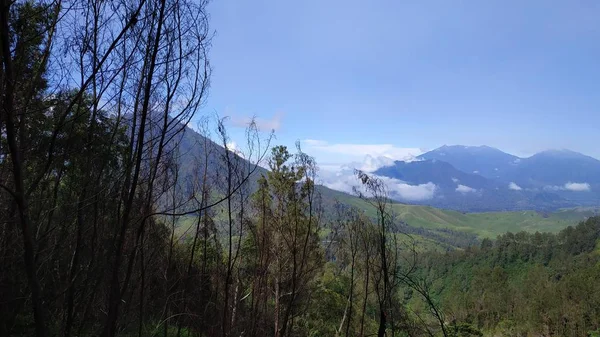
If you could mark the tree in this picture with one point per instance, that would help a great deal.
(96, 96)
(286, 235)
(377, 196)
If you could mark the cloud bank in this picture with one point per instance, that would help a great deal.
(344, 180)
(403, 191)
(361, 150)
(370, 163)
(374, 156)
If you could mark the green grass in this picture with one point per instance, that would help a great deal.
(420, 243)
(484, 225)
(491, 224)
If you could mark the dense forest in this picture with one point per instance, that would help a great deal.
(521, 284)
(97, 180)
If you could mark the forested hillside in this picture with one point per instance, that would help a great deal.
(521, 284)
(482, 224)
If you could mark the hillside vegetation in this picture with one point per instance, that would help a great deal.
(520, 285)
(484, 225)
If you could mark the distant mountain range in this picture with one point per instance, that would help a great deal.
(482, 178)
(456, 189)
(463, 178)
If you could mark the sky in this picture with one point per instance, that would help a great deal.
(396, 78)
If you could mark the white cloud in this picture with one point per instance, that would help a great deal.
(344, 180)
(374, 156)
(412, 192)
(370, 163)
(570, 186)
(465, 189)
(314, 142)
(274, 123)
(361, 150)
(400, 190)
(514, 187)
(455, 180)
(334, 177)
(476, 172)
(232, 146)
(577, 187)
(330, 167)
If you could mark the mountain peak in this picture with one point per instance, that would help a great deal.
(483, 160)
(466, 147)
(560, 153)
(468, 151)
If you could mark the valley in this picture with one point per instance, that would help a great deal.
(482, 224)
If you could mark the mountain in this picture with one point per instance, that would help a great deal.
(546, 181)
(556, 168)
(476, 178)
(458, 190)
(483, 160)
(542, 170)
(441, 173)
(432, 228)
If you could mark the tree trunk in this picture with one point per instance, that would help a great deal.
(277, 308)
(17, 171)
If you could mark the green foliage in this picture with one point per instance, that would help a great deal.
(464, 330)
(484, 225)
(327, 308)
(595, 333)
(523, 284)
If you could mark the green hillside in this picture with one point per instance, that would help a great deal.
(491, 224)
(428, 226)
(433, 220)
(487, 224)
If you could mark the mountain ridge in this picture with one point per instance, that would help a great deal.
(549, 179)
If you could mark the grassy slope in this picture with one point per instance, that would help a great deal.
(488, 224)
(491, 224)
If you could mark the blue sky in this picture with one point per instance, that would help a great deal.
(388, 77)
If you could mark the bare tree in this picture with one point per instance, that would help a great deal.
(378, 198)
